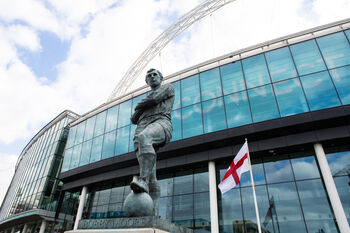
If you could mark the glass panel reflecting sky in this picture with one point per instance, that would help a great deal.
(339, 162)
(305, 168)
(100, 124)
(258, 174)
(89, 129)
(176, 121)
(280, 64)
(237, 109)
(347, 32)
(190, 91)
(341, 79)
(96, 149)
(230, 211)
(214, 115)
(255, 71)
(71, 137)
(232, 78)
(108, 145)
(290, 97)
(124, 114)
(288, 216)
(317, 212)
(192, 120)
(122, 145)
(183, 210)
(343, 188)
(75, 156)
(335, 49)
(319, 91)
(85, 153)
(307, 57)
(249, 208)
(112, 118)
(80, 132)
(210, 84)
(67, 158)
(263, 103)
(278, 171)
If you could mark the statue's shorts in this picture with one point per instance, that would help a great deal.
(149, 136)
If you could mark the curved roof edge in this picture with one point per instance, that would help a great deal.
(44, 129)
(228, 58)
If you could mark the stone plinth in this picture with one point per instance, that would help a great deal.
(135, 224)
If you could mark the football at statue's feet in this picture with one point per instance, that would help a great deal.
(138, 205)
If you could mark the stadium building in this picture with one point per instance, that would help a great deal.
(290, 97)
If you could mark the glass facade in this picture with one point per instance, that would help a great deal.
(290, 195)
(35, 184)
(183, 199)
(303, 77)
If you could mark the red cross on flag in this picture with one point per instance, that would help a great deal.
(238, 166)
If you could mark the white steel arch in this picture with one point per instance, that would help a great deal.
(162, 40)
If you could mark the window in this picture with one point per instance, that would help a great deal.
(319, 91)
(190, 91)
(210, 84)
(75, 156)
(108, 145)
(237, 109)
(124, 114)
(317, 212)
(112, 118)
(122, 145)
(214, 115)
(176, 121)
(263, 103)
(96, 149)
(255, 71)
(290, 97)
(280, 64)
(80, 132)
(232, 78)
(192, 124)
(100, 124)
(307, 57)
(341, 80)
(335, 49)
(89, 129)
(85, 153)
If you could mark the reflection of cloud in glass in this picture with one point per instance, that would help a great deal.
(339, 163)
(278, 171)
(304, 170)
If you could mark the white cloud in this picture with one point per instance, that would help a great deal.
(7, 169)
(23, 36)
(32, 12)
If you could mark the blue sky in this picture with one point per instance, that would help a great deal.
(58, 55)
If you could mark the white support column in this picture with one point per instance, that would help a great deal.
(331, 189)
(43, 226)
(214, 218)
(24, 230)
(82, 198)
(13, 230)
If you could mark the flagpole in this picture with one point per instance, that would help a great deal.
(253, 187)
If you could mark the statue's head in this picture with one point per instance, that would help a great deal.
(154, 78)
